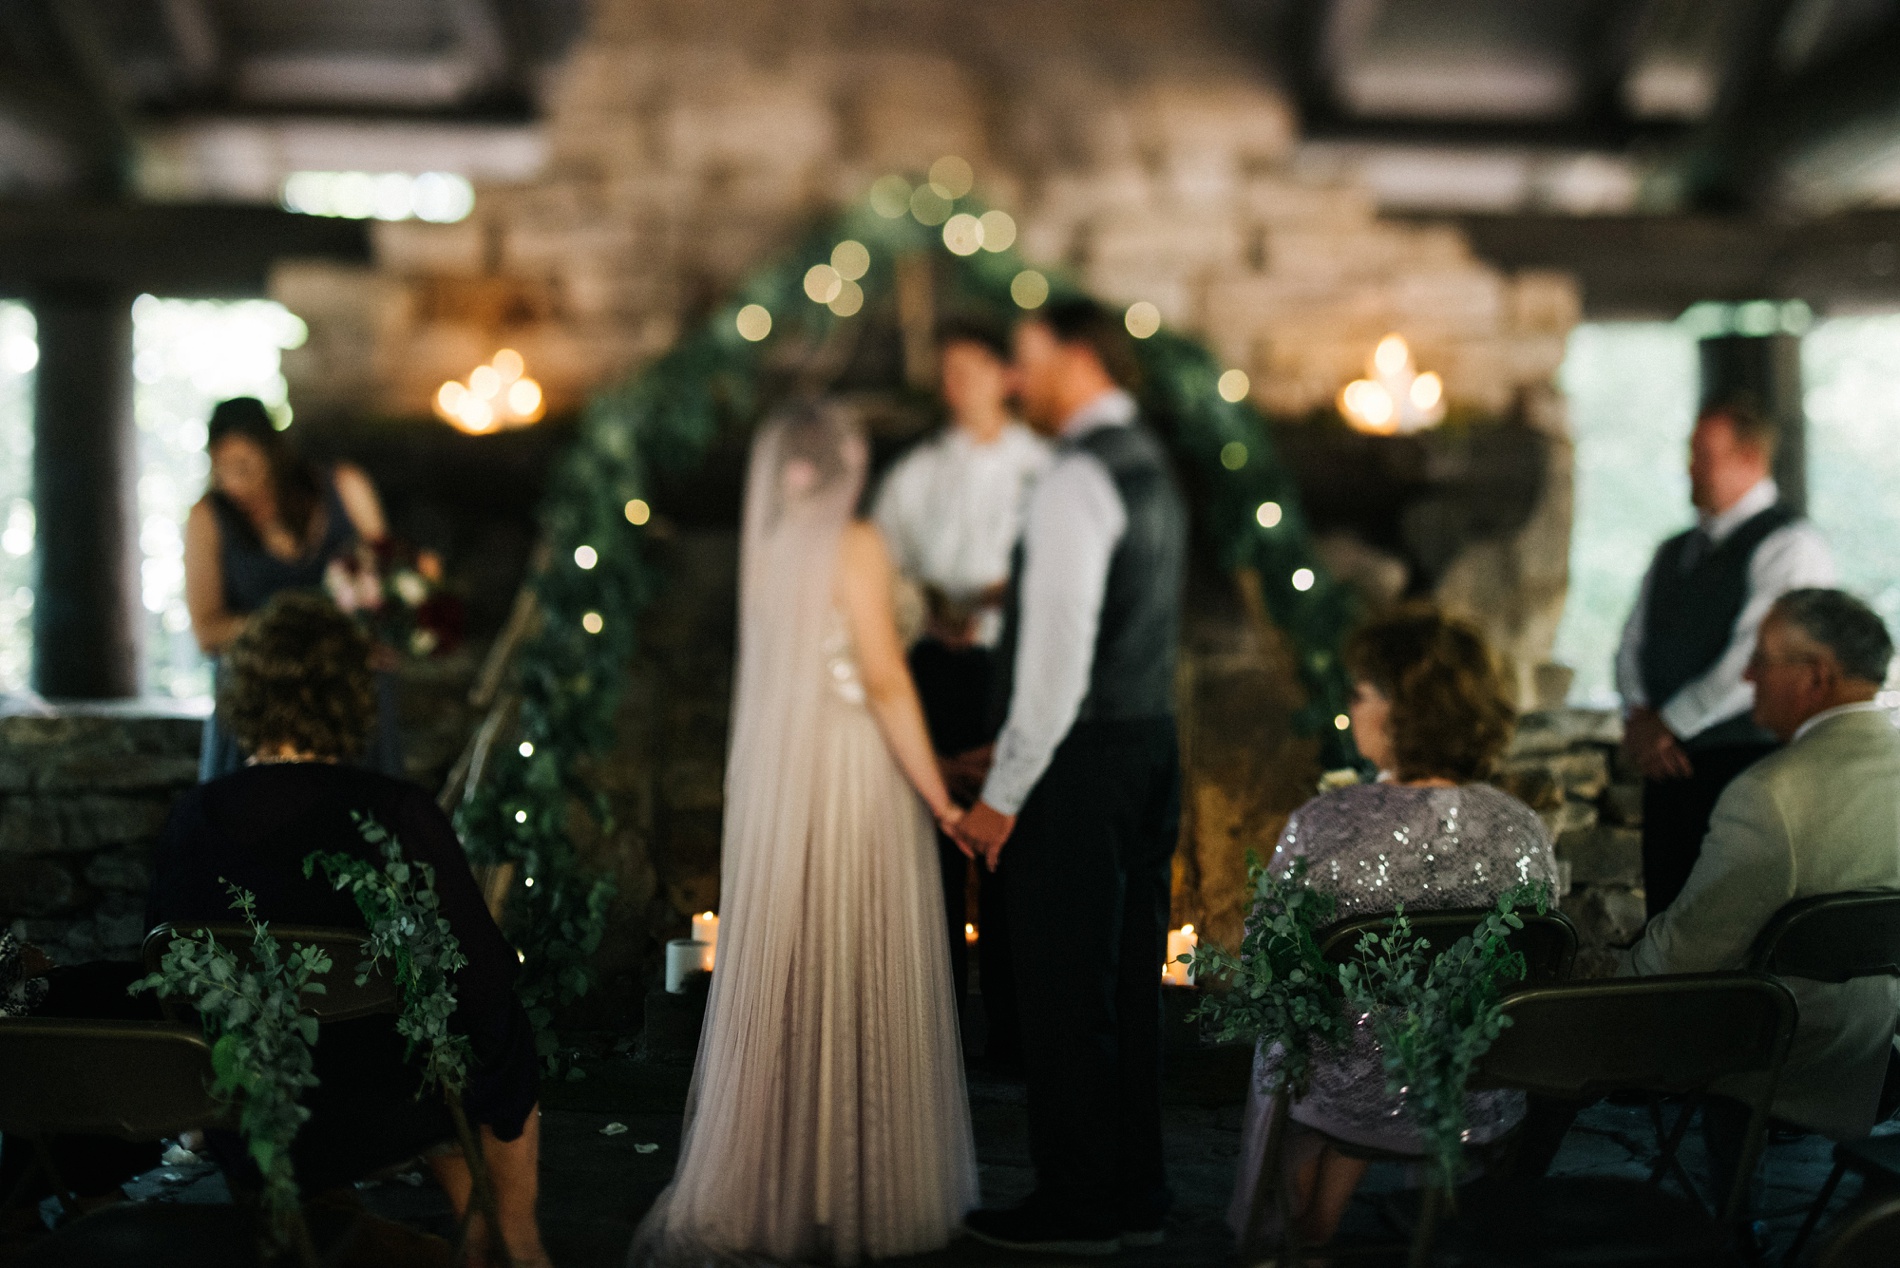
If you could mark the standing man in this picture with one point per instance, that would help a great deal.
(951, 510)
(1685, 650)
(1083, 798)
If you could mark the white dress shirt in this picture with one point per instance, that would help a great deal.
(1790, 558)
(951, 510)
(1076, 518)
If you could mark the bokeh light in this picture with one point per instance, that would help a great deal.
(1142, 319)
(754, 322)
(852, 259)
(1234, 386)
(999, 231)
(1029, 289)
(951, 177)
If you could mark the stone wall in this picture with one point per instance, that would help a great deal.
(1138, 143)
(1563, 764)
(83, 795)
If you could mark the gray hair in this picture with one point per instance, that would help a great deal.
(1844, 625)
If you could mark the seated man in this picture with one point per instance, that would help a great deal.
(1820, 816)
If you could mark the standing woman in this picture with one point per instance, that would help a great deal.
(271, 521)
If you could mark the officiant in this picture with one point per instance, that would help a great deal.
(1680, 669)
(951, 510)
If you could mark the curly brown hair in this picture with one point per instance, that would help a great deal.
(1452, 715)
(299, 675)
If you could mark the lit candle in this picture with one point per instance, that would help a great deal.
(706, 930)
(1180, 942)
(684, 956)
(969, 935)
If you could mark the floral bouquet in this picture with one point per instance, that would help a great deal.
(396, 594)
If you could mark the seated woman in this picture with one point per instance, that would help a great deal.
(1429, 710)
(299, 696)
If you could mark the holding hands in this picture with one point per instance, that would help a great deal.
(982, 831)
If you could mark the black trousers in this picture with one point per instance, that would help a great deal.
(954, 687)
(1087, 875)
(1676, 817)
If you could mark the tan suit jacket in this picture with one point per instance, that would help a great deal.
(1820, 816)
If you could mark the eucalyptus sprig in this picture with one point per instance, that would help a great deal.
(1435, 1015)
(1280, 989)
(261, 1040)
(407, 931)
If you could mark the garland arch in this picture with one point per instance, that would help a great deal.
(664, 419)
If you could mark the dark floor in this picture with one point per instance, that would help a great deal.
(598, 1179)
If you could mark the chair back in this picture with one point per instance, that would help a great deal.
(1548, 941)
(136, 1080)
(1832, 937)
(342, 999)
(1867, 1235)
(1663, 1035)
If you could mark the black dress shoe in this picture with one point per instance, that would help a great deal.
(1036, 1228)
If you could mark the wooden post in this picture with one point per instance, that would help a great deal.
(87, 619)
(1765, 371)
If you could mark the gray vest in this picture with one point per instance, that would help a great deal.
(1136, 639)
(1692, 613)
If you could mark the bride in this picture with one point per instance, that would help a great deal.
(827, 1117)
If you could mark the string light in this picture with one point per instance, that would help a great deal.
(999, 230)
(848, 300)
(1233, 455)
(521, 816)
(1341, 722)
(638, 512)
(754, 323)
(963, 234)
(585, 557)
(592, 623)
(1268, 516)
(890, 197)
(1233, 386)
(526, 749)
(1142, 319)
(822, 283)
(951, 177)
(1029, 289)
(1303, 579)
(852, 259)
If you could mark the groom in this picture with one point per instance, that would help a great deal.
(1082, 801)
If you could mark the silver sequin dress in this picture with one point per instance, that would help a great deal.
(1375, 846)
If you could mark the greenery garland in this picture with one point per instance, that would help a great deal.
(1434, 1016)
(261, 1040)
(665, 419)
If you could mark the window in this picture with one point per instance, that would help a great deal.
(187, 356)
(19, 353)
(1632, 389)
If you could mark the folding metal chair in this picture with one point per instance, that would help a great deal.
(1833, 938)
(1548, 942)
(1663, 1035)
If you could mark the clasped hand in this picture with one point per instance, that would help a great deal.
(982, 830)
(1654, 748)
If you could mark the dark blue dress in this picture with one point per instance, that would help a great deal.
(251, 576)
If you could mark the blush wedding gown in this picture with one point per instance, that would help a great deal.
(827, 1118)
